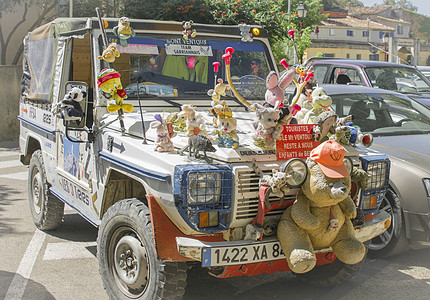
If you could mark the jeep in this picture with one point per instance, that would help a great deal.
(158, 213)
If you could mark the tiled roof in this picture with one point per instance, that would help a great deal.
(400, 21)
(354, 22)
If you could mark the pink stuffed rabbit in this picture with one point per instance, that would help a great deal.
(275, 88)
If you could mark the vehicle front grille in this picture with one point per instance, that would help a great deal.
(247, 195)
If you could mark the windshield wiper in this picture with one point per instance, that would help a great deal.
(151, 96)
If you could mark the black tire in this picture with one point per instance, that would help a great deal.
(393, 241)
(329, 275)
(125, 232)
(46, 210)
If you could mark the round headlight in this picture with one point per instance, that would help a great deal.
(296, 170)
(203, 187)
(348, 163)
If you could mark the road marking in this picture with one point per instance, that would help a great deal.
(10, 163)
(9, 153)
(68, 250)
(19, 281)
(16, 176)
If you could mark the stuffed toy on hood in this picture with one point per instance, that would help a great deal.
(321, 216)
(108, 80)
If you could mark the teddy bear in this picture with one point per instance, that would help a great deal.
(188, 31)
(321, 215)
(267, 120)
(69, 109)
(108, 80)
(163, 143)
(123, 31)
(110, 53)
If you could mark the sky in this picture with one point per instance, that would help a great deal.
(423, 5)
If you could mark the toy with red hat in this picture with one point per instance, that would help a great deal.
(108, 80)
(321, 216)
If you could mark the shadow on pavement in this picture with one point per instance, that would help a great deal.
(7, 224)
(35, 290)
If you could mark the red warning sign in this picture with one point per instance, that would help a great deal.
(296, 142)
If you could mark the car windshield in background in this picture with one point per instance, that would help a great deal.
(176, 67)
(404, 80)
(383, 114)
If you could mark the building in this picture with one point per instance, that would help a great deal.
(369, 33)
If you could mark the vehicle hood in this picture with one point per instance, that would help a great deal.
(413, 149)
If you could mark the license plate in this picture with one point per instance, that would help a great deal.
(238, 255)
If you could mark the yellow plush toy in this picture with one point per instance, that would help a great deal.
(108, 80)
(110, 53)
(320, 217)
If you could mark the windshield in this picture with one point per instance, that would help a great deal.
(401, 79)
(383, 114)
(176, 68)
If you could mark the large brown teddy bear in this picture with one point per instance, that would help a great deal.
(320, 217)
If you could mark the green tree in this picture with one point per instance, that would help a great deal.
(406, 4)
(46, 7)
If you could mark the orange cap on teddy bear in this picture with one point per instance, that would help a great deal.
(329, 156)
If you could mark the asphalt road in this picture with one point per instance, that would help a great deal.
(62, 264)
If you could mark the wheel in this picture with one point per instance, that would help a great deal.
(329, 275)
(393, 241)
(46, 210)
(128, 263)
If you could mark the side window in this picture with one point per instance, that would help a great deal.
(319, 73)
(345, 76)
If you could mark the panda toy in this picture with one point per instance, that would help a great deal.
(70, 109)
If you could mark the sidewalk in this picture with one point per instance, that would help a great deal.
(9, 145)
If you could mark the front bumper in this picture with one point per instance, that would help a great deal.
(195, 249)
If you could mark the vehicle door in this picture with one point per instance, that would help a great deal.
(75, 157)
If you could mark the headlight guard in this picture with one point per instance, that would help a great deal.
(204, 188)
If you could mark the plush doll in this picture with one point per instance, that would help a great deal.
(325, 125)
(108, 80)
(227, 135)
(277, 182)
(267, 120)
(162, 142)
(69, 109)
(218, 91)
(195, 123)
(275, 93)
(188, 31)
(110, 53)
(245, 32)
(321, 216)
(320, 102)
(123, 31)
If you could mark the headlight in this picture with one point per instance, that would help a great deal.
(204, 187)
(203, 196)
(378, 167)
(296, 170)
(378, 172)
(426, 182)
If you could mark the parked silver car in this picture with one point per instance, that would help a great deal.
(401, 129)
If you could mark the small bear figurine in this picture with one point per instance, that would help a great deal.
(163, 143)
(195, 123)
(245, 32)
(69, 109)
(188, 31)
